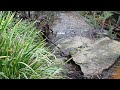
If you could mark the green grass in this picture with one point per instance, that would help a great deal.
(97, 19)
(22, 52)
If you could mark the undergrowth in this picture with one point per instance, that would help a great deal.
(22, 51)
(101, 20)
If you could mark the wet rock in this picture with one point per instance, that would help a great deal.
(100, 56)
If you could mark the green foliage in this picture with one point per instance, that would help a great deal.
(97, 19)
(21, 56)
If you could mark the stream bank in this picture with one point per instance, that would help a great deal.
(72, 38)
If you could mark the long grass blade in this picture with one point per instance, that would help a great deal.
(1, 57)
(27, 66)
(2, 74)
(24, 75)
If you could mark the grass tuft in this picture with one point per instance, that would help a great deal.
(21, 55)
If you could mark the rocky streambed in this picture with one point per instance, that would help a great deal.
(89, 56)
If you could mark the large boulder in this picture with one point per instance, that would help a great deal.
(101, 55)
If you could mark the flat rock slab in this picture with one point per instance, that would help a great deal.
(93, 60)
(72, 45)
